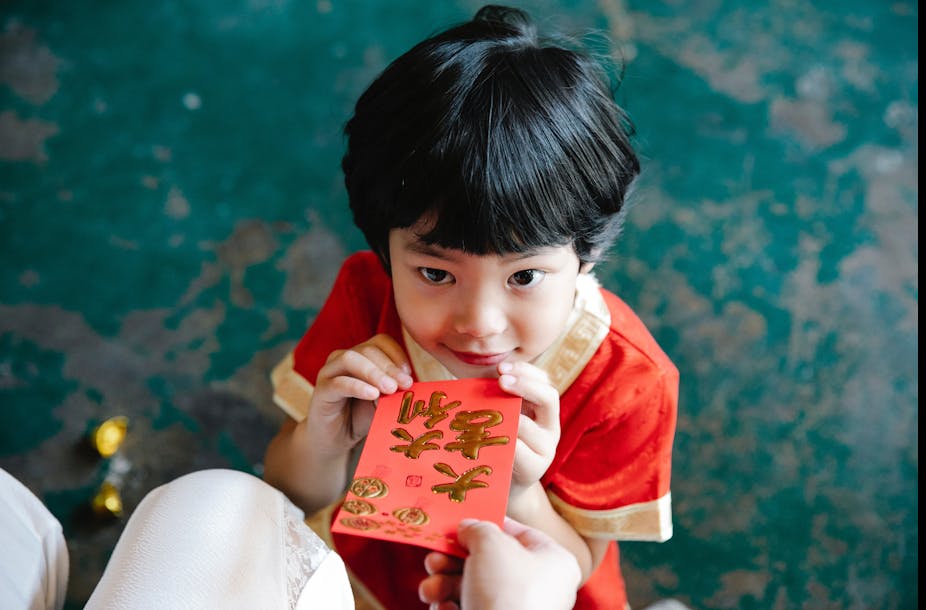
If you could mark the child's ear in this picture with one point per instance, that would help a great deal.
(586, 266)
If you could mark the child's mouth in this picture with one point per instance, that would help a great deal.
(474, 359)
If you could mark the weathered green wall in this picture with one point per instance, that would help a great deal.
(171, 214)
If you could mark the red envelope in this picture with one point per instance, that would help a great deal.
(437, 453)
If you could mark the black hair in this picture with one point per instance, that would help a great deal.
(508, 141)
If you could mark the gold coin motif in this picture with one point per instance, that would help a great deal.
(411, 515)
(358, 507)
(360, 523)
(369, 487)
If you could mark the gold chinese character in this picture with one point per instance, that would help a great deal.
(463, 483)
(435, 411)
(473, 436)
(418, 445)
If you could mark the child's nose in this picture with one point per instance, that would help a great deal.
(479, 315)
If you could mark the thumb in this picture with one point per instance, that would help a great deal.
(529, 537)
(473, 533)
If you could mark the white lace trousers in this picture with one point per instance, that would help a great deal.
(220, 539)
(33, 554)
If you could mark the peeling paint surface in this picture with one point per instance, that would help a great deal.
(172, 215)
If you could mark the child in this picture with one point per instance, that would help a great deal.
(487, 170)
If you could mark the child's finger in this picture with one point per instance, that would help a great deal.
(386, 361)
(535, 448)
(528, 464)
(386, 365)
(537, 438)
(393, 350)
(543, 397)
(352, 363)
(525, 370)
(361, 417)
(389, 355)
(330, 396)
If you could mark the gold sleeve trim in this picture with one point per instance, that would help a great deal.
(648, 521)
(291, 391)
(587, 327)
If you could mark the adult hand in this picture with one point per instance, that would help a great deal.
(520, 567)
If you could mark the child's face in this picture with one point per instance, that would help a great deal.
(472, 312)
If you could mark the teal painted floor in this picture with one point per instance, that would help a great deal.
(172, 213)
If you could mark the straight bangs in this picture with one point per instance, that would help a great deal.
(532, 157)
(506, 145)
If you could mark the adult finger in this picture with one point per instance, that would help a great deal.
(473, 533)
(529, 537)
(437, 563)
(513, 527)
(438, 588)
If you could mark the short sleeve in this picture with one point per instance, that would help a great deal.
(614, 483)
(352, 313)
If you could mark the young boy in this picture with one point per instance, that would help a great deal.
(487, 170)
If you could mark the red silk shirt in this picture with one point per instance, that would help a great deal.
(618, 402)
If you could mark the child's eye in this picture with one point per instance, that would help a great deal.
(435, 276)
(525, 278)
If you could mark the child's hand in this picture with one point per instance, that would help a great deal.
(538, 429)
(342, 406)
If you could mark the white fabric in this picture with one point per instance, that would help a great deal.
(329, 587)
(220, 539)
(33, 554)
